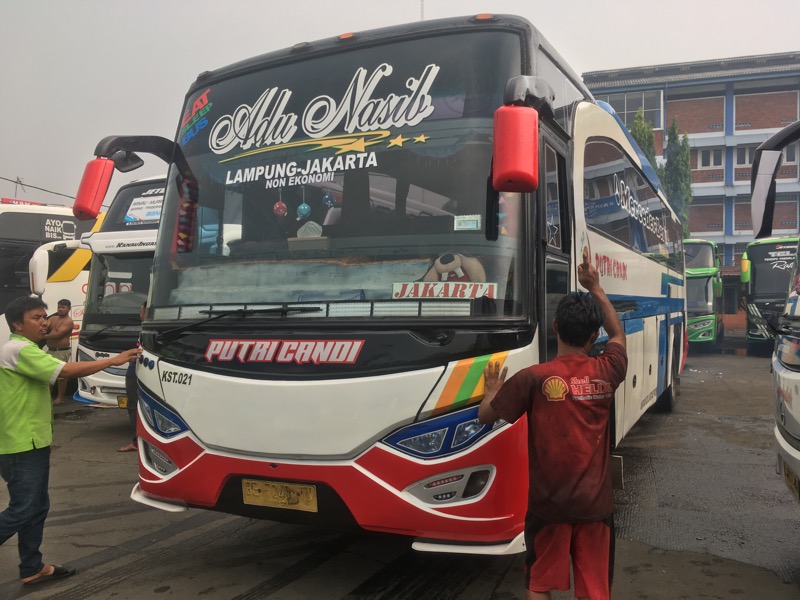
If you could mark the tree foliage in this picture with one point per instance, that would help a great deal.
(642, 132)
(677, 177)
(676, 172)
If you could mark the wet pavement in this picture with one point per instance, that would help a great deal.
(703, 478)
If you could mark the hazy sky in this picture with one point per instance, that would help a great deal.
(75, 71)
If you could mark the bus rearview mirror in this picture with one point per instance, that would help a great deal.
(38, 266)
(515, 160)
(92, 191)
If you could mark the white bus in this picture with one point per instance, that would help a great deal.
(24, 228)
(119, 281)
(324, 364)
(785, 325)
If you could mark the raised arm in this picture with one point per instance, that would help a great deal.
(590, 279)
(82, 369)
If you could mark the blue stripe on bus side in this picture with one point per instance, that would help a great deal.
(633, 325)
(666, 280)
(633, 307)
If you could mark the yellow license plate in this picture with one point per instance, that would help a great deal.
(276, 494)
(122, 401)
(792, 481)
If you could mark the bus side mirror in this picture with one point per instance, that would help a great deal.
(93, 188)
(38, 267)
(744, 277)
(515, 162)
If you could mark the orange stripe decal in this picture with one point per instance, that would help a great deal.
(466, 381)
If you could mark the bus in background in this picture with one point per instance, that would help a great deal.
(766, 269)
(785, 325)
(119, 281)
(394, 209)
(25, 227)
(703, 293)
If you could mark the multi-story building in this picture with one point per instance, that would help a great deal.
(726, 107)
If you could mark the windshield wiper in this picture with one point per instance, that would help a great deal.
(113, 327)
(281, 311)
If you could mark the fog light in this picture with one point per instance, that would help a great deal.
(455, 486)
(158, 460)
(443, 481)
(475, 484)
(443, 497)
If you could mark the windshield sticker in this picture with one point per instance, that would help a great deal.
(445, 289)
(317, 170)
(318, 352)
(467, 223)
(782, 258)
(194, 119)
(145, 210)
(268, 123)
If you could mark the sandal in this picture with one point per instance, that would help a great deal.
(59, 572)
(128, 448)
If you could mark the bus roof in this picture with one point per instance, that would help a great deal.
(699, 241)
(346, 41)
(775, 240)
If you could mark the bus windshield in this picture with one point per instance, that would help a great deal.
(772, 267)
(356, 182)
(699, 256)
(117, 288)
(699, 295)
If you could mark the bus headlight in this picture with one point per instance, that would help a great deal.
(164, 421)
(427, 443)
(441, 436)
(701, 324)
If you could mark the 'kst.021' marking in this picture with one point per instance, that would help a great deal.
(340, 352)
(175, 377)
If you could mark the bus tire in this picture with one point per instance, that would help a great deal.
(666, 401)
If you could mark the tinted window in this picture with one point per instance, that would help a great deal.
(620, 204)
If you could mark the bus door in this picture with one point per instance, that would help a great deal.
(554, 232)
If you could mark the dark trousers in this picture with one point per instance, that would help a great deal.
(27, 475)
(132, 390)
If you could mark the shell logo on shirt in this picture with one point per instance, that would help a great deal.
(555, 388)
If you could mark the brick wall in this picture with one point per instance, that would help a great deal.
(784, 217)
(764, 111)
(700, 115)
(706, 217)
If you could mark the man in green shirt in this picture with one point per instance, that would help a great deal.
(26, 430)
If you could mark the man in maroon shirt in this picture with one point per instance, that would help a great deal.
(567, 402)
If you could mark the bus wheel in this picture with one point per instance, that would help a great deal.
(666, 401)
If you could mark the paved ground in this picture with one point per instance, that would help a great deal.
(672, 545)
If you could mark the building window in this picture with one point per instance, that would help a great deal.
(628, 104)
(745, 155)
(790, 155)
(710, 158)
